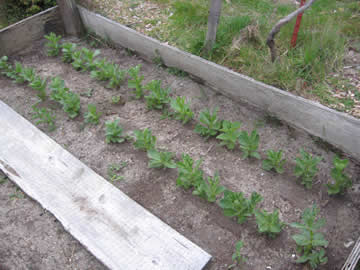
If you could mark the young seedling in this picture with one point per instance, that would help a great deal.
(114, 132)
(269, 223)
(135, 81)
(53, 45)
(160, 159)
(210, 189)
(102, 71)
(236, 205)
(189, 173)
(310, 242)
(113, 171)
(115, 99)
(237, 257)
(229, 134)
(71, 104)
(88, 57)
(39, 85)
(44, 116)
(249, 144)
(92, 116)
(181, 109)
(158, 97)
(209, 123)
(117, 76)
(78, 61)
(5, 67)
(144, 140)
(274, 161)
(342, 181)
(68, 49)
(58, 89)
(16, 73)
(28, 74)
(88, 93)
(306, 168)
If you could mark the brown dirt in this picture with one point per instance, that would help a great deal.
(201, 222)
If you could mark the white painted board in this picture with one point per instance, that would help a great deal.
(118, 231)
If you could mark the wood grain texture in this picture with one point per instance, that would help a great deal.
(114, 228)
(337, 128)
(19, 36)
(70, 17)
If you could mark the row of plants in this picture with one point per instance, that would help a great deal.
(209, 125)
(234, 204)
(310, 242)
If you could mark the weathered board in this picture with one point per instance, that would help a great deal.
(334, 127)
(114, 228)
(19, 36)
(70, 17)
(353, 258)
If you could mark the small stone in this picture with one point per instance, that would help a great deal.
(293, 256)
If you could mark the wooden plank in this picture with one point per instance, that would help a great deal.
(20, 36)
(337, 128)
(353, 258)
(118, 231)
(70, 17)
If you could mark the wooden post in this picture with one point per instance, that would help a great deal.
(213, 21)
(70, 17)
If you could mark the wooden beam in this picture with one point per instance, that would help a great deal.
(71, 18)
(114, 228)
(19, 36)
(337, 128)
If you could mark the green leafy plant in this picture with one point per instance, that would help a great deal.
(16, 73)
(144, 139)
(92, 116)
(342, 181)
(71, 104)
(68, 50)
(53, 45)
(114, 170)
(78, 61)
(229, 134)
(210, 189)
(102, 71)
(236, 205)
(114, 132)
(160, 159)
(135, 81)
(274, 161)
(181, 109)
(108, 72)
(58, 89)
(249, 144)
(44, 116)
(310, 242)
(237, 257)
(306, 168)
(88, 57)
(269, 223)
(39, 85)
(209, 123)
(117, 76)
(115, 99)
(5, 67)
(158, 97)
(189, 174)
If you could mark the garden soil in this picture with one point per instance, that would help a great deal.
(31, 238)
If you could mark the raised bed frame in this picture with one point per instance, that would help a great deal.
(338, 129)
